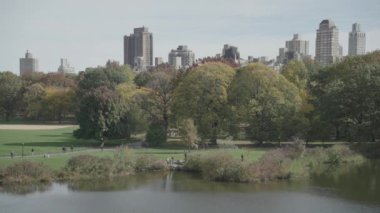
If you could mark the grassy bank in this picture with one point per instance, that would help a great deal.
(291, 162)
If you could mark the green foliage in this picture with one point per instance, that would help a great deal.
(264, 100)
(189, 132)
(33, 99)
(10, 93)
(157, 97)
(202, 96)
(105, 108)
(348, 97)
(156, 134)
(100, 109)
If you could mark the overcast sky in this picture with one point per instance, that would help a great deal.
(89, 32)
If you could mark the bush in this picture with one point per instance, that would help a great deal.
(89, 166)
(296, 149)
(336, 154)
(223, 167)
(193, 163)
(156, 134)
(149, 163)
(26, 172)
(273, 165)
(123, 164)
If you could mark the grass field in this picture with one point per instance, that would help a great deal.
(52, 141)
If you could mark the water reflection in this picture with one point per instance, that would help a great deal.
(24, 189)
(359, 183)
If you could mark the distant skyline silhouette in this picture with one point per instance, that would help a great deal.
(88, 33)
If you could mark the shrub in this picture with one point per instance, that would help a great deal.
(149, 163)
(26, 172)
(223, 167)
(89, 166)
(296, 149)
(336, 154)
(193, 163)
(273, 165)
(123, 164)
(156, 134)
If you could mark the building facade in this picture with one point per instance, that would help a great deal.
(356, 41)
(231, 52)
(299, 48)
(327, 48)
(65, 66)
(187, 57)
(139, 44)
(28, 65)
(158, 61)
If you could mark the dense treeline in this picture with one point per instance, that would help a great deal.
(340, 102)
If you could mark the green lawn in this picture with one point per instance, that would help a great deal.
(52, 141)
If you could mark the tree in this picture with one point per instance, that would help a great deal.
(189, 132)
(348, 97)
(202, 96)
(10, 96)
(100, 110)
(156, 134)
(262, 100)
(58, 102)
(33, 99)
(157, 98)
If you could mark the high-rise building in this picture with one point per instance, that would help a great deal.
(187, 57)
(281, 59)
(65, 66)
(231, 52)
(158, 61)
(28, 64)
(356, 41)
(300, 48)
(327, 49)
(139, 44)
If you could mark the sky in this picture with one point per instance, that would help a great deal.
(89, 32)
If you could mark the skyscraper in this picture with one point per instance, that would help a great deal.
(187, 57)
(356, 41)
(327, 49)
(65, 66)
(28, 64)
(139, 45)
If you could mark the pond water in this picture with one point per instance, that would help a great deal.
(349, 190)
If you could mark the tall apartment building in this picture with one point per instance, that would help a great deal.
(231, 52)
(139, 45)
(299, 47)
(187, 57)
(28, 64)
(295, 49)
(65, 66)
(356, 41)
(327, 49)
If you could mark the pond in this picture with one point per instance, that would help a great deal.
(348, 190)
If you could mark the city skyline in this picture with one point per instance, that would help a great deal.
(91, 35)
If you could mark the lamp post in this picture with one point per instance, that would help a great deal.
(22, 152)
